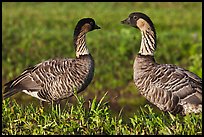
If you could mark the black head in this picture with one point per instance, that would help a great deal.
(134, 20)
(85, 25)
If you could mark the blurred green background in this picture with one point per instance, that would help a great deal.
(34, 32)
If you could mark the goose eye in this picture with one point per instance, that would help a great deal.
(134, 17)
(91, 23)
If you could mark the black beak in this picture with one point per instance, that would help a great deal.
(97, 27)
(126, 21)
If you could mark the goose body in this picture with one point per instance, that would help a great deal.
(57, 79)
(169, 87)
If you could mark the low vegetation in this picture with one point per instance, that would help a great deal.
(96, 119)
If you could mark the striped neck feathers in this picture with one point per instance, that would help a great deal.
(148, 42)
(80, 44)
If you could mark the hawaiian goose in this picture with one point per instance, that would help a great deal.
(167, 86)
(57, 79)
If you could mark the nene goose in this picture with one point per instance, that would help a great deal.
(56, 79)
(167, 86)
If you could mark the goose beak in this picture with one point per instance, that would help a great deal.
(126, 21)
(97, 27)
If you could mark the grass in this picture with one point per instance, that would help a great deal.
(74, 119)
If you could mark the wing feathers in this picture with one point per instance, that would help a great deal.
(53, 79)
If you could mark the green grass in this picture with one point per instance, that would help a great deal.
(32, 32)
(95, 120)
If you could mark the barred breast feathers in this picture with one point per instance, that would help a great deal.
(77, 75)
(167, 86)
